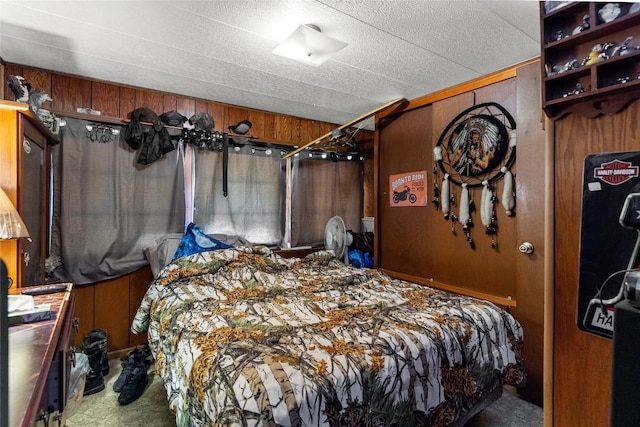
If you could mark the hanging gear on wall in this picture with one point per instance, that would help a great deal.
(134, 133)
(476, 149)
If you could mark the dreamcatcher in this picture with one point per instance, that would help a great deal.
(476, 149)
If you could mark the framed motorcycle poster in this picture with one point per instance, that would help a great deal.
(408, 189)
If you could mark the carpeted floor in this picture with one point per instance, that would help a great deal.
(103, 409)
(152, 409)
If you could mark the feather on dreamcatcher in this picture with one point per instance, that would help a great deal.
(476, 149)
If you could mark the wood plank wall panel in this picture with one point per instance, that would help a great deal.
(283, 128)
(185, 106)
(105, 98)
(39, 79)
(127, 101)
(111, 311)
(582, 362)
(325, 128)
(296, 134)
(70, 93)
(308, 130)
(84, 311)
(150, 99)
(169, 103)
(368, 198)
(217, 111)
(406, 232)
(257, 119)
(138, 284)
(270, 126)
(234, 115)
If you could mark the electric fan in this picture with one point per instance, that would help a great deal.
(337, 238)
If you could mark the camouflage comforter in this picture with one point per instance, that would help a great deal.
(243, 337)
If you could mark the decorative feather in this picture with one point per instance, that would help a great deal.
(444, 198)
(464, 206)
(486, 204)
(437, 153)
(508, 195)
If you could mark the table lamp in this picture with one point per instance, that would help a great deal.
(11, 227)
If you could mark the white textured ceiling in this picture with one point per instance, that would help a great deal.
(221, 50)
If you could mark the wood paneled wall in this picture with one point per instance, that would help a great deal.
(115, 101)
(111, 305)
(419, 242)
(582, 362)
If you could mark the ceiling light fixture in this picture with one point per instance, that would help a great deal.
(308, 45)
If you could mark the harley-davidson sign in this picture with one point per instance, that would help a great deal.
(615, 172)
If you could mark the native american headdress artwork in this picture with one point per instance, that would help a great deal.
(476, 149)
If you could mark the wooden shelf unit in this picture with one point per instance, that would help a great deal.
(603, 92)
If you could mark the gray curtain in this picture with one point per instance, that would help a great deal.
(107, 207)
(322, 189)
(253, 207)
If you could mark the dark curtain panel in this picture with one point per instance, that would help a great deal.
(322, 189)
(108, 207)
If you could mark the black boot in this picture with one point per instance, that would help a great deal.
(95, 380)
(98, 338)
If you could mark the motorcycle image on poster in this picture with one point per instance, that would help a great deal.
(408, 189)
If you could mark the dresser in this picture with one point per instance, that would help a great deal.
(40, 361)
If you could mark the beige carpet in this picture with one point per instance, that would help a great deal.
(103, 409)
(152, 409)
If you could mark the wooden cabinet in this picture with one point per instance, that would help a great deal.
(24, 176)
(40, 357)
(577, 76)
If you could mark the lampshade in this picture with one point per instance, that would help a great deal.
(308, 45)
(11, 225)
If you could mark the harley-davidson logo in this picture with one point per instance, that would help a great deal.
(616, 172)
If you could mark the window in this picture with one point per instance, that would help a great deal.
(253, 207)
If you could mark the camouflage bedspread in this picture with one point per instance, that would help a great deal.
(243, 337)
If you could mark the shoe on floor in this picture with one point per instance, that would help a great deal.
(132, 360)
(94, 384)
(134, 385)
(94, 380)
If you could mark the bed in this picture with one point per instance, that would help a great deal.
(244, 337)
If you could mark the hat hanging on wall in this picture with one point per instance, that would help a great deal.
(172, 118)
(202, 121)
(241, 128)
